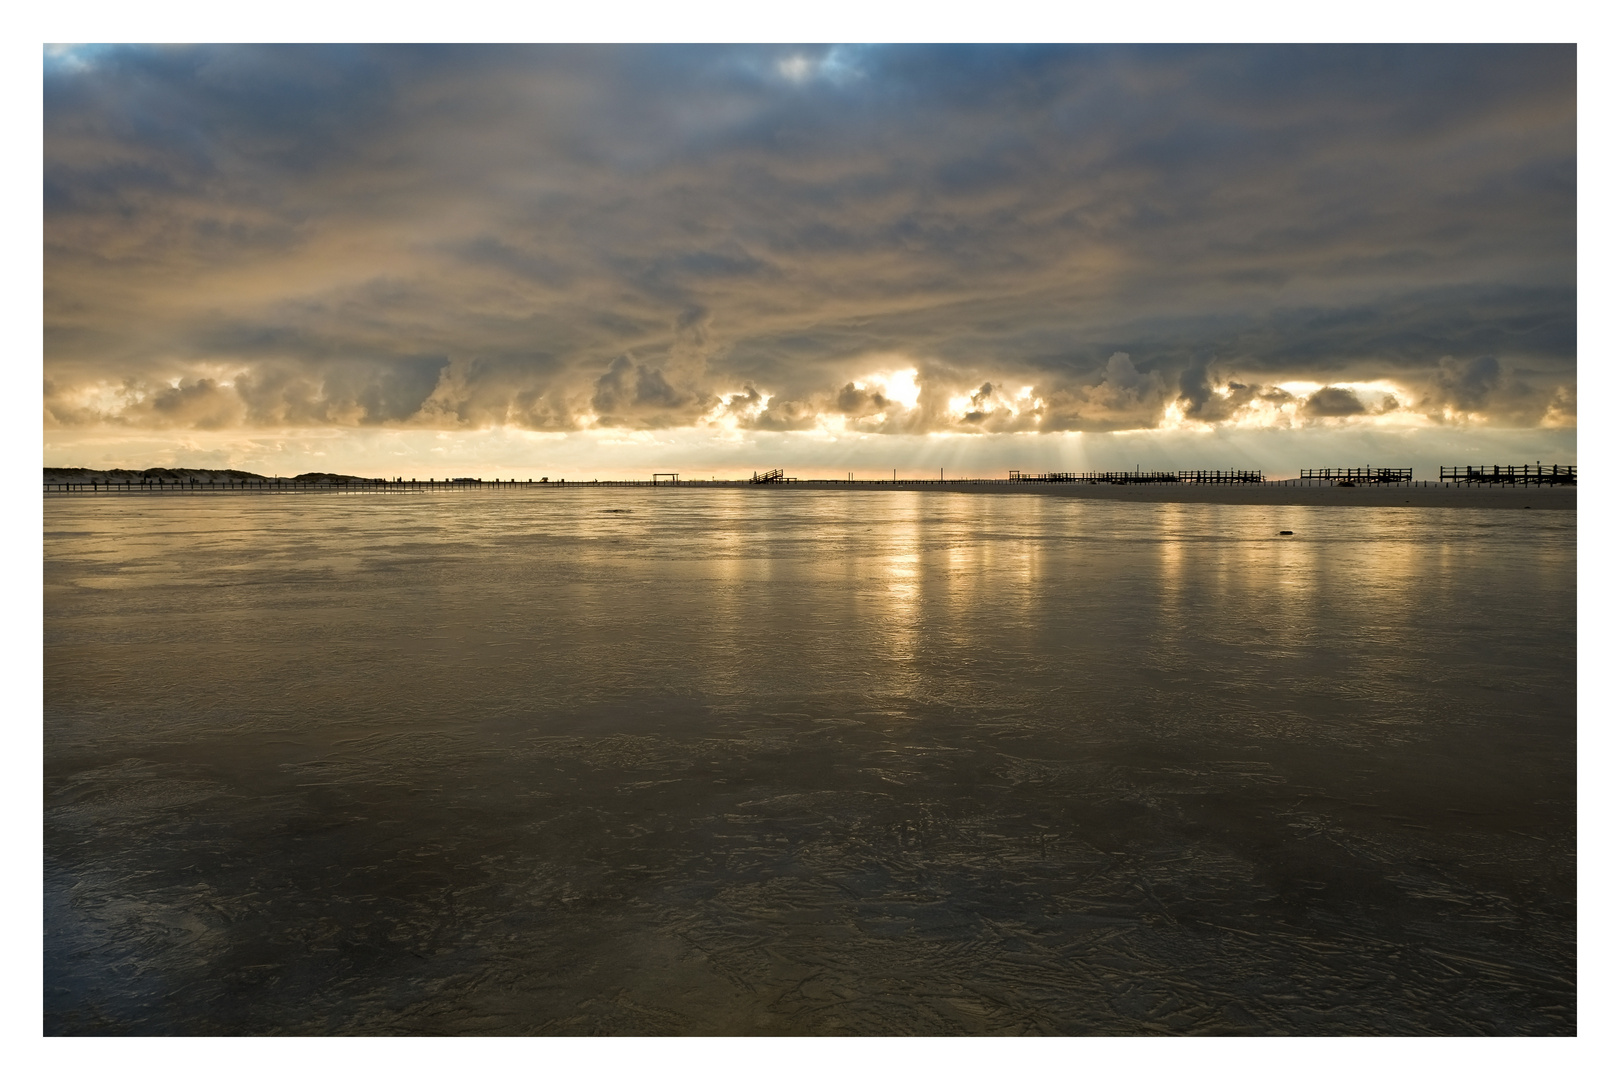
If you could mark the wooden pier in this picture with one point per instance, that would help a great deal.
(1365, 475)
(1183, 476)
(1528, 475)
(1217, 476)
(1014, 476)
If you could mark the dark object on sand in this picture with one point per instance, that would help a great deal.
(1286, 532)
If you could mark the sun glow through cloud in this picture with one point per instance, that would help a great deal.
(899, 387)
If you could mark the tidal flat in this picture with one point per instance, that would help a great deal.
(722, 761)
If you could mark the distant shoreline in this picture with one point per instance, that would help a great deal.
(130, 484)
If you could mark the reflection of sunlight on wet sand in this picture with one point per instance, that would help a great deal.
(1287, 570)
(726, 573)
(900, 571)
(1177, 599)
(967, 579)
(1374, 574)
(1171, 522)
(1228, 578)
(1013, 585)
(834, 630)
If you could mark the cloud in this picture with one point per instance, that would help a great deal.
(787, 416)
(1052, 239)
(1117, 397)
(1334, 401)
(1468, 386)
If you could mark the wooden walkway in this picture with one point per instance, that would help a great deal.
(1536, 474)
(1366, 475)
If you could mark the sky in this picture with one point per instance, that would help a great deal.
(571, 261)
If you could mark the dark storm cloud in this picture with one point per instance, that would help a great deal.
(1468, 385)
(462, 237)
(629, 394)
(1334, 401)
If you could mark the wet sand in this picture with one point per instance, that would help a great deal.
(1274, 493)
(629, 761)
(1270, 493)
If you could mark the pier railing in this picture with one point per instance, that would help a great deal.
(1508, 474)
(1367, 475)
(1183, 476)
(1014, 476)
(1218, 476)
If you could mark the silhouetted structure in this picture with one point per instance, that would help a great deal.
(1217, 476)
(1367, 475)
(1094, 477)
(163, 481)
(1507, 474)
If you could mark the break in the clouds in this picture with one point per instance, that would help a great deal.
(742, 243)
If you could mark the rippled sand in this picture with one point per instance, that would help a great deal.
(806, 762)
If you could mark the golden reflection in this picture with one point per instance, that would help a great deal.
(728, 578)
(1171, 524)
(1015, 550)
(899, 569)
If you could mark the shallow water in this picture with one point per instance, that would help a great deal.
(736, 761)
